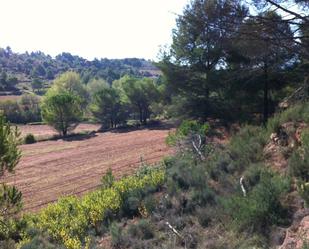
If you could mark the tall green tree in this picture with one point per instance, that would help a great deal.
(140, 93)
(202, 39)
(261, 58)
(9, 152)
(62, 111)
(70, 82)
(107, 107)
(10, 197)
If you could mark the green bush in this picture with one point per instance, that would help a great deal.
(108, 179)
(29, 139)
(116, 233)
(261, 207)
(8, 244)
(187, 127)
(204, 216)
(247, 146)
(143, 230)
(295, 113)
(299, 167)
(42, 241)
(69, 220)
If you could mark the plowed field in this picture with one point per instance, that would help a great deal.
(45, 131)
(51, 169)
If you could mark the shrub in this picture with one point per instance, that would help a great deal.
(29, 139)
(8, 244)
(295, 113)
(117, 236)
(247, 146)
(187, 127)
(261, 207)
(42, 241)
(68, 220)
(204, 216)
(143, 230)
(299, 161)
(303, 189)
(108, 179)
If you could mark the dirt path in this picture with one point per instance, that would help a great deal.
(51, 169)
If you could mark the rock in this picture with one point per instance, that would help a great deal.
(277, 236)
(297, 235)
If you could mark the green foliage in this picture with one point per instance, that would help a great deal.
(305, 245)
(204, 216)
(8, 244)
(68, 220)
(36, 84)
(29, 139)
(299, 160)
(142, 230)
(186, 128)
(96, 85)
(9, 152)
(247, 146)
(139, 94)
(299, 166)
(261, 207)
(108, 108)
(303, 189)
(62, 111)
(108, 179)
(42, 241)
(117, 236)
(70, 82)
(12, 110)
(298, 112)
(10, 205)
(39, 65)
(25, 110)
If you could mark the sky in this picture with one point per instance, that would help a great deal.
(89, 28)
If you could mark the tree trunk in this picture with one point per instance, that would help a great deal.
(266, 100)
(140, 115)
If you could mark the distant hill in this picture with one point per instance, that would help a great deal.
(25, 67)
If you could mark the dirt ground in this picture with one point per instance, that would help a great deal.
(45, 131)
(51, 169)
(9, 97)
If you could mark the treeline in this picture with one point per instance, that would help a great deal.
(69, 101)
(236, 60)
(37, 65)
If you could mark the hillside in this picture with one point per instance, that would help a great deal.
(20, 69)
(245, 189)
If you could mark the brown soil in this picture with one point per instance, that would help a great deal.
(51, 169)
(45, 131)
(10, 97)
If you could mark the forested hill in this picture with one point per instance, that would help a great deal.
(37, 65)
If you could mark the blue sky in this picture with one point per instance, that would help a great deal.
(89, 28)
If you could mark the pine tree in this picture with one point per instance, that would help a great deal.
(9, 152)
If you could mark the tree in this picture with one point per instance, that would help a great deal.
(36, 84)
(108, 108)
(62, 111)
(3, 79)
(202, 40)
(260, 55)
(95, 85)
(10, 197)
(139, 93)
(70, 82)
(9, 152)
(30, 107)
